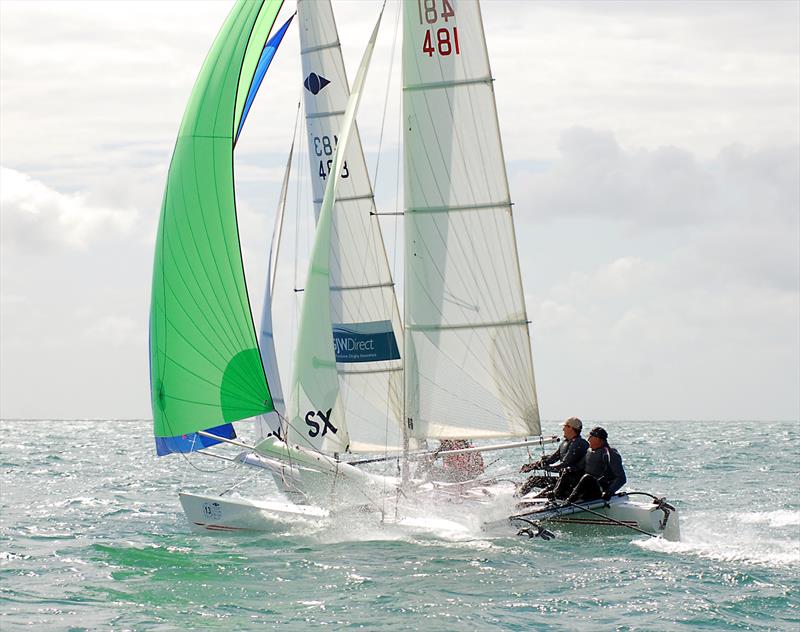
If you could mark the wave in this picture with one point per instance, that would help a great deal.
(750, 538)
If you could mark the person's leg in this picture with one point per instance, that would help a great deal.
(534, 481)
(566, 483)
(587, 489)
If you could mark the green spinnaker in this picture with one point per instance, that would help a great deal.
(205, 368)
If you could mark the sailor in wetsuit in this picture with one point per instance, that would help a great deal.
(567, 458)
(604, 474)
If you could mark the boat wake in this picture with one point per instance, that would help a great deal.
(764, 538)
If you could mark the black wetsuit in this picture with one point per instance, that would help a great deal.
(604, 474)
(569, 456)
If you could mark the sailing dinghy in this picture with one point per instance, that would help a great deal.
(458, 366)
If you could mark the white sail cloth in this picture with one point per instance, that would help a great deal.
(469, 370)
(317, 412)
(270, 423)
(363, 307)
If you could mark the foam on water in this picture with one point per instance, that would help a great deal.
(779, 518)
(96, 539)
(749, 538)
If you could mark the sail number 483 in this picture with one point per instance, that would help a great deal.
(324, 147)
(443, 41)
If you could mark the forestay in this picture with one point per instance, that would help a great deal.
(363, 306)
(317, 410)
(469, 371)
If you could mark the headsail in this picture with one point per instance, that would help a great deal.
(469, 371)
(270, 423)
(367, 331)
(316, 412)
(267, 55)
(205, 369)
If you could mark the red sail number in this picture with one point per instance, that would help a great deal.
(446, 42)
(427, 9)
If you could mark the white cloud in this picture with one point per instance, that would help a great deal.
(34, 216)
(659, 241)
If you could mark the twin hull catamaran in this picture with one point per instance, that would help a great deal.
(458, 365)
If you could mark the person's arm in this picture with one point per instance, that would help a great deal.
(617, 472)
(573, 457)
(545, 460)
(552, 458)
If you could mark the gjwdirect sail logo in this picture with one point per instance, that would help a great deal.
(365, 342)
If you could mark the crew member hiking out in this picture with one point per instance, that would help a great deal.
(566, 461)
(604, 474)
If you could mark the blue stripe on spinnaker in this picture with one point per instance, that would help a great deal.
(263, 63)
(193, 441)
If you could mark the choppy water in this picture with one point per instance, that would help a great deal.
(92, 536)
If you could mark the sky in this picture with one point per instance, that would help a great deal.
(653, 153)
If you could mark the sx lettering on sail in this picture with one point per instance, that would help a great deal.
(324, 424)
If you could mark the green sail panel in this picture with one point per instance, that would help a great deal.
(205, 367)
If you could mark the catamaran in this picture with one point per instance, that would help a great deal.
(458, 365)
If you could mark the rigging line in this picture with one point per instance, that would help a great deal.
(386, 97)
(272, 272)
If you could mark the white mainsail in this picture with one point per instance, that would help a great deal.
(364, 313)
(317, 410)
(469, 370)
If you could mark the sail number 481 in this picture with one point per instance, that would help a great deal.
(443, 41)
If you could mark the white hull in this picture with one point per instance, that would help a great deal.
(219, 513)
(621, 513)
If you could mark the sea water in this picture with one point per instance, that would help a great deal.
(92, 537)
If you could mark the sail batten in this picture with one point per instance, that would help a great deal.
(467, 207)
(447, 84)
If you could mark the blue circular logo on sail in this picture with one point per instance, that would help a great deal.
(314, 83)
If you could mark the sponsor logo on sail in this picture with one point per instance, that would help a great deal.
(314, 83)
(365, 342)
